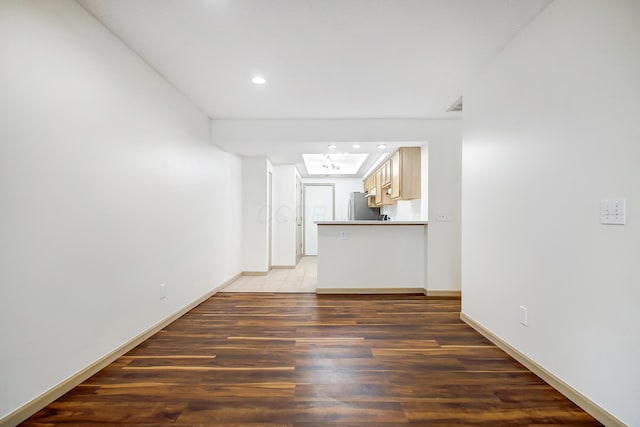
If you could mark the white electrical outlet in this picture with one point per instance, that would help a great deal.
(612, 211)
(343, 235)
(163, 290)
(524, 316)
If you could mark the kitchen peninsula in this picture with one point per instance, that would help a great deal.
(372, 256)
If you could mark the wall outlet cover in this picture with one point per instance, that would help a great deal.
(524, 316)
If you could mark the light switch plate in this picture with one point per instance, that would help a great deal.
(612, 211)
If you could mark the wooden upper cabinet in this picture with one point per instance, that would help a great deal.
(378, 178)
(369, 184)
(405, 174)
(371, 202)
(395, 175)
(386, 173)
(372, 184)
(398, 178)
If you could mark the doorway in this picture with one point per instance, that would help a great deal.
(299, 215)
(319, 205)
(270, 219)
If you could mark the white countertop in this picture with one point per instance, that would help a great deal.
(371, 222)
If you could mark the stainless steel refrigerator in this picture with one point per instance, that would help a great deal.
(359, 209)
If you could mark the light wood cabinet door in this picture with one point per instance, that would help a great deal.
(405, 174)
(386, 173)
(395, 175)
(396, 179)
(378, 178)
(369, 184)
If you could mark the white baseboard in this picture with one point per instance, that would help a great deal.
(369, 291)
(254, 273)
(30, 408)
(569, 392)
(282, 267)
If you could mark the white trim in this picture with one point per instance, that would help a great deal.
(254, 273)
(33, 406)
(366, 291)
(569, 392)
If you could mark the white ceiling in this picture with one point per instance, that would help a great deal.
(322, 59)
(334, 163)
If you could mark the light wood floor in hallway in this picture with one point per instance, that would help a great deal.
(301, 279)
(315, 360)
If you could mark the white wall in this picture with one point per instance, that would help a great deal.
(552, 127)
(443, 181)
(284, 215)
(110, 186)
(277, 135)
(441, 161)
(405, 210)
(343, 188)
(255, 210)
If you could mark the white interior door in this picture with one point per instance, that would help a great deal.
(318, 206)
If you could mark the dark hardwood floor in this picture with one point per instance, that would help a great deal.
(307, 360)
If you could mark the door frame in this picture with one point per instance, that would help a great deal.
(299, 218)
(270, 219)
(304, 208)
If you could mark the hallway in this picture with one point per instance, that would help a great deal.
(302, 279)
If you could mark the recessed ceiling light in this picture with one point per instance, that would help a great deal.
(356, 146)
(259, 80)
(381, 146)
(331, 146)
